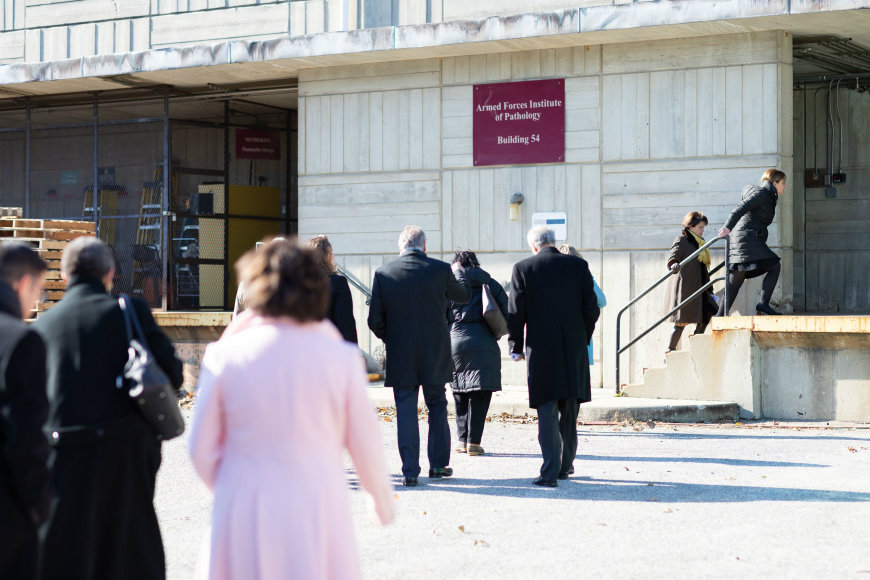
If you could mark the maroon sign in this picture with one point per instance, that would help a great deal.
(519, 123)
(257, 144)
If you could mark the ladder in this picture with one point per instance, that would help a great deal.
(147, 261)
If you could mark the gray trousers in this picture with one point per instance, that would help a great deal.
(557, 435)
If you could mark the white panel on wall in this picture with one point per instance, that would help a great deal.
(734, 110)
(415, 128)
(297, 18)
(336, 134)
(391, 130)
(431, 128)
(55, 44)
(349, 134)
(219, 25)
(12, 46)
(82, 40)
(403, 113)
(753, 113)
(370, 77)
(46, 14)
(703, 51)
(487, 211)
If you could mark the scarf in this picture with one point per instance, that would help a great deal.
(703, 257)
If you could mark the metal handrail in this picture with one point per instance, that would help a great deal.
(697, 293)
(356, 283)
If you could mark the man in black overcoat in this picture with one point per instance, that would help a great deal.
(23, 411)
(105, 458)
(553, 300)
(410, 300)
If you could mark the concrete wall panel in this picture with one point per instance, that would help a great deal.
(217, 25)
(672, 140)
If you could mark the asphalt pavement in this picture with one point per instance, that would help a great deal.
(648, 500)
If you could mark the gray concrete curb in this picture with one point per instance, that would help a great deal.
(604, 407)
(618, 409)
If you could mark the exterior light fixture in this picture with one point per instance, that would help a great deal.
(516, 201)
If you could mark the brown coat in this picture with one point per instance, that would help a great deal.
(686, 282)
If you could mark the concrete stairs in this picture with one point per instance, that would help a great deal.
(680, 391)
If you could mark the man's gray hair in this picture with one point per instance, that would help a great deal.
(86, 255)
(412, 238)
(540, 236)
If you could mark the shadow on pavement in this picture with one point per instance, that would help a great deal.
(721, 460)
(616, 490)
(671, 435)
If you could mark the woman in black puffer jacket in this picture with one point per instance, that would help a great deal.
(476, 356)
(749, 254)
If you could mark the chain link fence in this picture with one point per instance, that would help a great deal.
(175, 236)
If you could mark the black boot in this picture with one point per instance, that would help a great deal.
(765, 309)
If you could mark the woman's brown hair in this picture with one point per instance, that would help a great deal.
(773, 175)
(284, 279)
(693, 218)
(323, 248)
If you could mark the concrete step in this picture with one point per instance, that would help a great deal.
(604, 407)
(617, 409)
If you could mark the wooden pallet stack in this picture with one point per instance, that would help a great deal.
(49, 238)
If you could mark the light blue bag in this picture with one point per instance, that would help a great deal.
(602, 302)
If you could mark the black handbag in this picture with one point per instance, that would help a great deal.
(148, 386)
(492, 313)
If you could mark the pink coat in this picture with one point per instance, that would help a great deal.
(278, 403)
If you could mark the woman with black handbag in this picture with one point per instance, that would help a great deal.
(687, 280)
(476, 355)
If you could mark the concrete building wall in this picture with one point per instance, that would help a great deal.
(46, 30)
(652, 132)
(832, 234)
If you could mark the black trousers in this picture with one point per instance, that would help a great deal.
(737, 277)
(438, 448)
(471, 410)
(557, 435)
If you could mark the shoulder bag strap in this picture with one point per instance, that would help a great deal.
(130, 317)
(122, 302)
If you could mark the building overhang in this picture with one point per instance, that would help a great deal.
(238, 62)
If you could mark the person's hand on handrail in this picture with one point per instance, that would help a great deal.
(724, 232)
(675, 267)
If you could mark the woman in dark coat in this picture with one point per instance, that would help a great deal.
(476, 356)
(105, 458)
(340, 301)
(687, 280)
(749, 255)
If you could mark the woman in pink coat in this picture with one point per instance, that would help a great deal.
(281, 397)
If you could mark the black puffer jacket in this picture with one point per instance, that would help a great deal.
(476, 356)
(748, 224)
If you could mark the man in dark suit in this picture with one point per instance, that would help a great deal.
(105, 457)
(410, 298)
(23, 410)
(553, 300)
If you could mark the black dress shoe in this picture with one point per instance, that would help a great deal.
(564, 475)
(409, 481)
(439, 472)
(545, 482)
(765, 309)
